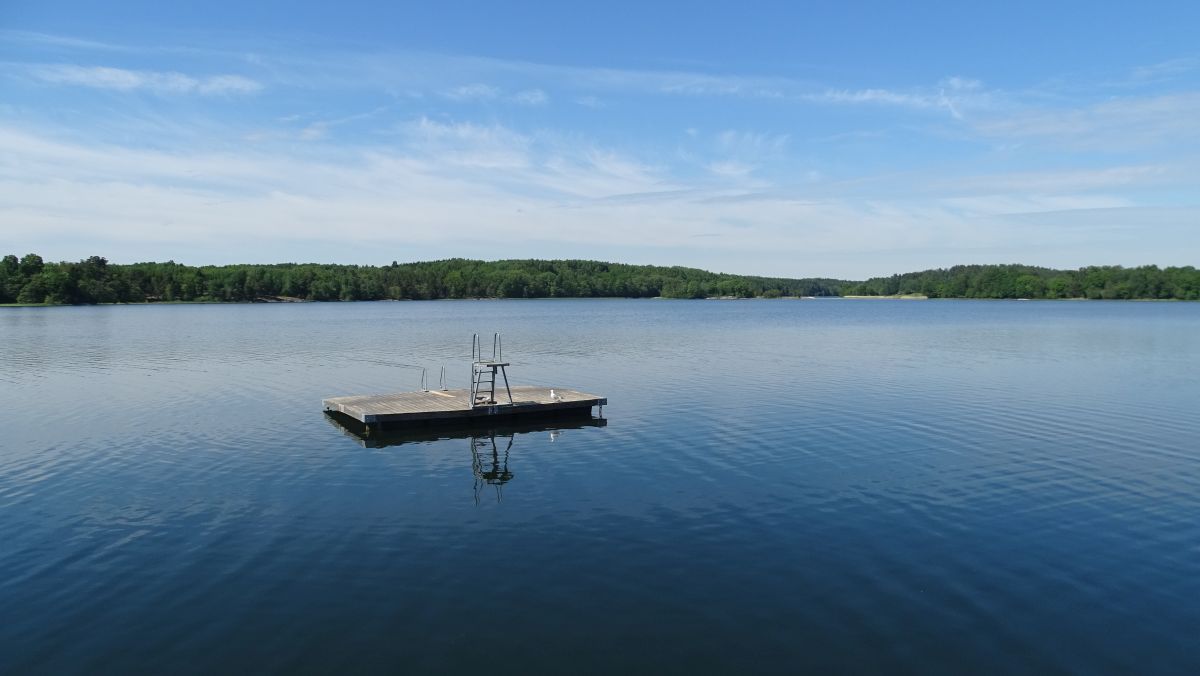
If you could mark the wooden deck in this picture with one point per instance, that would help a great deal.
(454, 405)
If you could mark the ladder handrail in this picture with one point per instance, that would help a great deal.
(477, 348)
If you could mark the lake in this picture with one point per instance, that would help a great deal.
(827, 485)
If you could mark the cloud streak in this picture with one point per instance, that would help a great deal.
(158, 82)
(472, 92)
(531, 97)
(953, 94)
(1122, 123)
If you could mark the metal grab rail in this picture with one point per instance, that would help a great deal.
(477, 348)
(402, 365)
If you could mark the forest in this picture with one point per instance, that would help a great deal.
(31, 280)
(1023, 281)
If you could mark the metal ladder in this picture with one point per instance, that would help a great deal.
(484, 372)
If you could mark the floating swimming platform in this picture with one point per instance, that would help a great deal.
(489, 397)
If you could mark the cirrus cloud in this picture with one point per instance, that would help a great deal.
(159, 82)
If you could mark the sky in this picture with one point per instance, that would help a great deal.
(816, 139)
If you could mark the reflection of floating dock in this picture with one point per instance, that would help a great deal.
(374, 436)
(491, 439)
(455, 405)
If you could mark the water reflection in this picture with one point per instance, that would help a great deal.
(487, 465)
(491, 444)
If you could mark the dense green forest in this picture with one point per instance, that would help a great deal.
(1022, 281)
(95, 280)
(31, 280)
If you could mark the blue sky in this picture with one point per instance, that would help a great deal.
(798, 139)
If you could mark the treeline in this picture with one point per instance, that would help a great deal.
(31, 280)
(1022, 281)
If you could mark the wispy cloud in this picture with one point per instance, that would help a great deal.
(466, 144)
(486, 78)
(986, 206)
(1116, 124)
(747, 143)
(961, 83)
(953, 95)
(56, 41)
(1060, 182)
(477, 93)
(1164, 70)
(531, 97)
(699, 84)
(159, 82)
(730, 168)
(318, 129)
(472, 92)
(314, 131)
(739, 154)
(871, 96)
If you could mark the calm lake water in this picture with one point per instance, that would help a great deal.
(835, 485)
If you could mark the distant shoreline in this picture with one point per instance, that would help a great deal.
(31, 281)
(908, 297)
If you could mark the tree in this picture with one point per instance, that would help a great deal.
(31, 264)
(10, 284)
(34, 291)
(1029, 286)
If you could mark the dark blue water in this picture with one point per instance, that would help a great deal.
(903, 487)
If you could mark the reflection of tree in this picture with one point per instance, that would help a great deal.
(488, 465)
